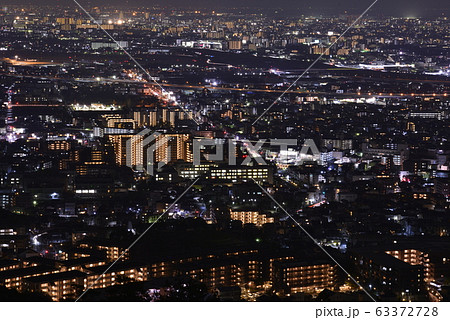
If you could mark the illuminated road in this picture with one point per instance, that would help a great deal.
(15, 62)
(354, 94)
(247, 90)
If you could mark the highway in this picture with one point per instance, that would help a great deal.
(246, 90)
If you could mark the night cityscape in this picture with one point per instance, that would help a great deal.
(152, 151)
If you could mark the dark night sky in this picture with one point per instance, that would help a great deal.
(388, 7)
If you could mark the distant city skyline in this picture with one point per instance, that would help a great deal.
(402, 8)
